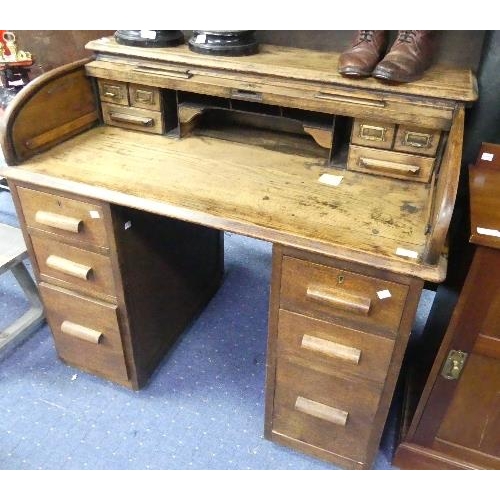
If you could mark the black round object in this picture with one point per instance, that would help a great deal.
(149, 38)
(224, 42)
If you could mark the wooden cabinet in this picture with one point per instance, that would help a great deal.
(92, 260)
(337, 335)
(339, 175)
(457, 421)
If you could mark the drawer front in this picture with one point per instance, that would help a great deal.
(333, 349)
(331, 413)
(76, 220)
(417, 140)
(86, 332)
(373, 134)
(334, 294)
(141, 96)
(115, 92)
(390, 163)
(89, 272)
(133, 118)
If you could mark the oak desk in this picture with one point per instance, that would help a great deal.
(130, 167)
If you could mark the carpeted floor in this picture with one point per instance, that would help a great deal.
(203, 409)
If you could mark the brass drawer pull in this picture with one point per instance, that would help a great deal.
(58, 221)
(377, 103)
(163, 72)
(402, 168)
(372, 133)
(81, 332)
(417, 140)
(112, 91)
(340, 300)
(319, 410)
(248, 95)
(134, 120)
(69, 267)
(332, 349)
(144, 96)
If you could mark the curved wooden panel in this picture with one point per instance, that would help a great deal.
(29, 127)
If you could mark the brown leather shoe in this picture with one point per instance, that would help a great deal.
(408, 58)
(367, 49)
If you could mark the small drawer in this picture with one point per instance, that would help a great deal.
(86, 332)
(115, 92)
(72, 219)
(141, 96)
(417, 140)
(331, 413)
(333, 349)
(88, 272)
(334, 294)
(390, 163)
(373, 134)
(133, 118)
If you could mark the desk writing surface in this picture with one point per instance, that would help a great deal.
(246, 189)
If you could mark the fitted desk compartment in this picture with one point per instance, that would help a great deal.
(351, 252)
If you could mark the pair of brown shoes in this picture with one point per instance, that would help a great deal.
(409, 56)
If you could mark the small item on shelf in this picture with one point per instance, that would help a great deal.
(8, 49)
(410, 55)
(407, 59)
(149, 38)
(224, 42)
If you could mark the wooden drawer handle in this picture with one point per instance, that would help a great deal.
(134, 120)
(81, 332)
(319, 410)
(377, 103)
(330, 348)
(68, 267)
(340, 300)
(388, 165)
(172, 73)
(58, 221)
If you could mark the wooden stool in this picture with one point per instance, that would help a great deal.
(12, 253)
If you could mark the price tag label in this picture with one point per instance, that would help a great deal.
(200, 38)
(487, 156)
(149, 34)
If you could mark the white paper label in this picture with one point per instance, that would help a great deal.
(403, 252)
(149, 34)
(330, 180)
(487, 156)
(488, 232)
(94, 214)
(200, 39)
(127, 225)
(384, 294)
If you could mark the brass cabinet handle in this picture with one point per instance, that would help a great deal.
(417, 140)
(134, 120)
(81, 332)
(144, 96)
(340, 300)
(372, 133)
(377, 103)
(58, 221)
(319, 410)
(401, 168)
(331, 349)
(112, 91)
(69, 267)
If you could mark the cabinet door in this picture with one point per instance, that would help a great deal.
(462, 416)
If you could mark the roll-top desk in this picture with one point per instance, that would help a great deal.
(126, 169)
